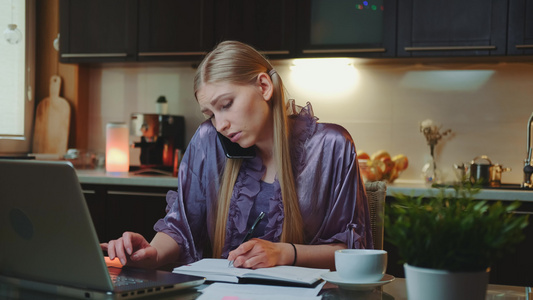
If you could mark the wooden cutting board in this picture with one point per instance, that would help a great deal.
(52, 121)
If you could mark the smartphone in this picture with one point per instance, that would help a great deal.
(234, 150)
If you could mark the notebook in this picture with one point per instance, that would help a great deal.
(217, 269)
(48, 241)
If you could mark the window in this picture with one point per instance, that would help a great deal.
(17, 77)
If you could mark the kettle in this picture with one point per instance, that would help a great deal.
(486, 174)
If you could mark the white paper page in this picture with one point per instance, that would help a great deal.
(229, 291)
(214, 265)
(211, 266)
(291, 273)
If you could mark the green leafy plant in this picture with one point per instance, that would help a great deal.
(453, 231)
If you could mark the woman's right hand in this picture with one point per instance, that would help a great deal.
(132, 249)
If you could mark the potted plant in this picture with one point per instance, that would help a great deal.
(449, 240)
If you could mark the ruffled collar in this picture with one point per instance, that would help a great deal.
(303, 125)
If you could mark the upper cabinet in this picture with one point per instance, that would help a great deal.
(164, 30)
(98, 30)
(170, 30)
(347, 28)
(520, 35)
(452, 27)
(135, 30)
(174, 29)
(269, 26)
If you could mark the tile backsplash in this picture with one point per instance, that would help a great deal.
(485, 104)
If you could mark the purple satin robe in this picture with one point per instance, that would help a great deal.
(330, 190)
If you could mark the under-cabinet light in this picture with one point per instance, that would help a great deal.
(328, 76)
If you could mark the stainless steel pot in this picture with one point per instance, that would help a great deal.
(480, 172)
(486, 174)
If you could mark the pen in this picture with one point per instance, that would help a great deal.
(251, 230)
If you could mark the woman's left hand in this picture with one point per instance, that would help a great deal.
(257, 253)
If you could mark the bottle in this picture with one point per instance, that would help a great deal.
(161, 105)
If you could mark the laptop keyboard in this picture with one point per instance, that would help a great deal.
(120, 280)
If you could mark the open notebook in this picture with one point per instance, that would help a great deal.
(214, 269)
(48, 241)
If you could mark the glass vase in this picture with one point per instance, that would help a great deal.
(430, 172)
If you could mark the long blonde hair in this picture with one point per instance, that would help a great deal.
(238, 63)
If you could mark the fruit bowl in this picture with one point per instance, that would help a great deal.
(381, 167)
(375, 173)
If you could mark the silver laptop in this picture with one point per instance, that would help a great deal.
(48, 241)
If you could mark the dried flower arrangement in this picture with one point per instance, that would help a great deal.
(432, 133)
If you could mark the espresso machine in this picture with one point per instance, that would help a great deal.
(160, 136)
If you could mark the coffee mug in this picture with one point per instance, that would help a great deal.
(361, 265)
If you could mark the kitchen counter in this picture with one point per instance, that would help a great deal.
(407, 187)
(418, 188)
(99, 176)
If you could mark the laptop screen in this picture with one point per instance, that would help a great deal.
(47, 232)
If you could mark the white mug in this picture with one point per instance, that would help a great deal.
(361, 265)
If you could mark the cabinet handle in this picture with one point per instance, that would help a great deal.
(88, 191)
(447, 48)
(522, 212)
(172, 53)
(523, 46)
(84, 55)
(275, 52)
(136, 194)
(202, 53)
(360, 50)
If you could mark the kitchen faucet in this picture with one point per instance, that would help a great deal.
(528, 168)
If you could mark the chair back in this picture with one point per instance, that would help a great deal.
(376, 192)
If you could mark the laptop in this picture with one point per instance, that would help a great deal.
(48, 241)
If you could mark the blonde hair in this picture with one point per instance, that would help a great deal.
(238, 63)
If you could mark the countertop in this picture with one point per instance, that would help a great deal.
(99, 176)
(418, 188)
(407, 187)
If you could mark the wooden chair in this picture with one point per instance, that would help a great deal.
(376, 191)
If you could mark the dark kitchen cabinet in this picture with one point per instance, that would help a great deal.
(515, 269)
(347, 28)
(135, 30)
(116, 208)
(174, 29)
(269, 26)
(98, 30)
(520, 34)
(135, 209)
(451, 28)
(95, 199)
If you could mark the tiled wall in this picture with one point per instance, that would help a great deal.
(486, 104)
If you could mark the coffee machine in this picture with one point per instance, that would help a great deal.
(160, 136)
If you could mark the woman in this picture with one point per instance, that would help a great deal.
(305, 177)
